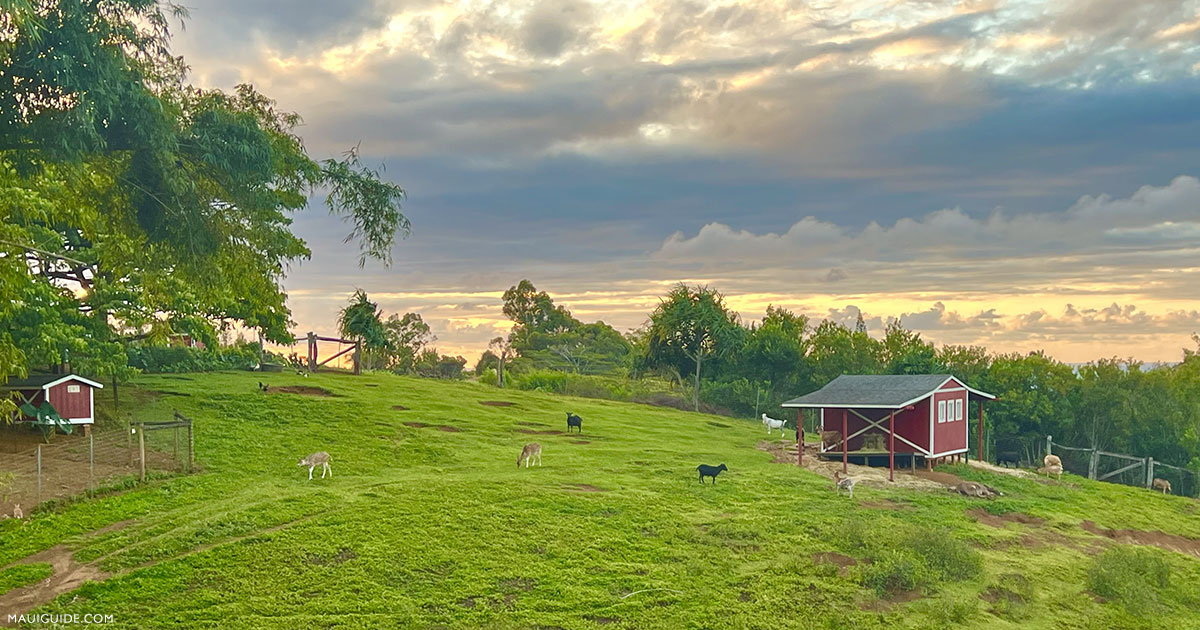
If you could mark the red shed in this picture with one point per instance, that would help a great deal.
(72, 396)
(914, 415)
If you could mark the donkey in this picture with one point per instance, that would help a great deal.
(531, 453)
(320, 458)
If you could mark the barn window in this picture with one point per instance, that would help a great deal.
(72, 389)
(941, 411)
(958, 411)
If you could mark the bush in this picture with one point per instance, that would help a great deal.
(948, 558)
(907, 557)
(894, 571)
(488, 376)
(1132, 576)
(174, 359)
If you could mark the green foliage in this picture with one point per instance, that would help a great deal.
(430, 364)
(177, 359)
(894, 571)
(24, 575)
(690, 326)
(1135, 577)
(906, 557)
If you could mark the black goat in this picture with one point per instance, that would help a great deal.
(710, 471)
(574, 421)
(262, 387)
(1008, 457)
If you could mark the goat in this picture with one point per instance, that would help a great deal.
(830, 438)
(574, 421)
(531, 453)
(973, 489)
(1161, 484)
(840, 483)
(320, 458)
(1008, 457)
(17, 513)
(262, 387)
(1052, 465)
(773, 424)
(710, 471)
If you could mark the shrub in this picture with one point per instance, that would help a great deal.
(906, 557)
(175, 359)
(1132, 576)
(947, 557)
(894, 571)
(488, 376)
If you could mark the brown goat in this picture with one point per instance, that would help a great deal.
(1161, 484)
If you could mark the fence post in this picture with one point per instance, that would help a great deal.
(142, 450)
(39, 472)
(91, 462)
(1094, 463)
(1049, 449)
(1149, 472)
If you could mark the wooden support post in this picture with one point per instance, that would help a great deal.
(357, 358)
(312, 352)
(799, 437)
(1049, 447)
(1149, 472)
(91, 462)
(980, 436)
(845, 442)
(141, 431)
(892, 446)
(1093, 463)
(39, 473)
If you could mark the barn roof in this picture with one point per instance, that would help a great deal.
(43, 381)
(877, 391)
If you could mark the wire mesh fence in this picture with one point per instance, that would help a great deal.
(1126, 469)
(85, 461)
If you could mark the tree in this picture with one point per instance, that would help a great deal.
(406, 337)
(775, 350)
(533, 311)
(837, 350)
(905, 353)
(360, 321)
(132, 205)
(503, 349)
(692, 323)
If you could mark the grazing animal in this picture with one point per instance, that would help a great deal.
(17, 513)
(574, 421)
(1161, 484)
(1008, 457)
(262, 387)
(320, 458)
(710, 471)
(843, 483)
(772, 423)
(531, 453)
(830, 438)
(1052, 465)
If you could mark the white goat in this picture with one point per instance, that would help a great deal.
(320, 458)
(1052, 465)
(773, 424)
(840, 483)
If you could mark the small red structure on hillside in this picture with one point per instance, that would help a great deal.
(71, 395)
(914, 415)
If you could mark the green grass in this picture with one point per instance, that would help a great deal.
(23, 575)
(424, 528)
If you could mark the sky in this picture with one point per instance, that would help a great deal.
(1015, 174)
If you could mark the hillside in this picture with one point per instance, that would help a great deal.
(427, 523)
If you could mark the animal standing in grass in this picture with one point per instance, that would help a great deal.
(574, 421)
(1161, 484)
(1052, 465)
(710, 471)
(840, 483)
(17, 513)
(772, 423)
(531, 453)
(320, 458)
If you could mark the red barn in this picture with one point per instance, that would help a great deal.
(919, 415)
(71, 396)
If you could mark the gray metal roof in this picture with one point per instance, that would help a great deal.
(878, 391)
(39, 381)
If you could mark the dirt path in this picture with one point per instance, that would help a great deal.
(68, 575)
(1015, 472)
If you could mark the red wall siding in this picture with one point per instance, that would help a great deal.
(913, 425)
(39, 397)
(949, 436)
(72, 406)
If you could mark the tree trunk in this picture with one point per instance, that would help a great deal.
(696, 392)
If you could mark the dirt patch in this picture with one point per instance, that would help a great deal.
(163, 392)
(887, 603)
(119, 525)
(718, 424)
(497, 403)
(602, 620)
(580, 442)
(399, 408)
(518, 584)
(1014, 472)
(535, 432)
(467, 602)
(532, 424)
(344, 554)
(885, 504)
(745, 596)
(1000, 520)
(1162, 540)
(995, 594)
(449, 429)
(68, 575)
(303, 390)
(583, 487)
(785, 453)
(842, 562)
(416, 425)
(945, 479)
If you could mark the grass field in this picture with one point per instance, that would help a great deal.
(435, 526)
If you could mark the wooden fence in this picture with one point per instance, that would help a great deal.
(1125, 469)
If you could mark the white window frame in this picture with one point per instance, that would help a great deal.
(958, 409)
(941, 412)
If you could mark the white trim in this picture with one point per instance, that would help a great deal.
(954, 452)
(941, 412)
(932, 405)
(901, 405)
(69, 377)
(958, 410)
(951, 390)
